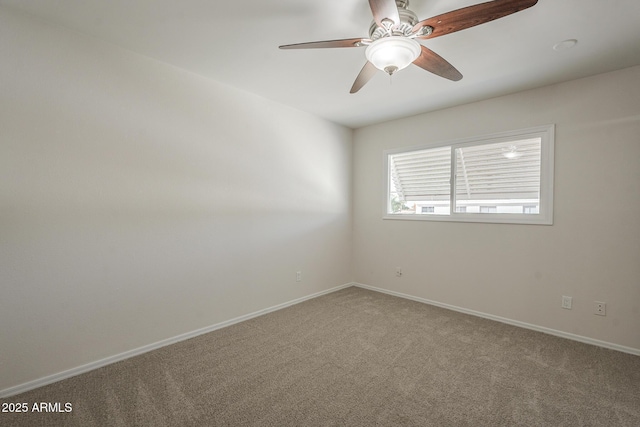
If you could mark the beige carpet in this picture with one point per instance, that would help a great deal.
(355, 358)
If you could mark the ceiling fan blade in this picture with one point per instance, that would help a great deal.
(471, 16)
(325, 44)
(384, 9)
(434, 63)
(367, 72)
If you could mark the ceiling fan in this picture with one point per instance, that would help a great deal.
(392, 46)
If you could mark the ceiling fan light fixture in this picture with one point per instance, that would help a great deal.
(391, 54)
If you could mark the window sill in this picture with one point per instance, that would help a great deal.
(536, 219)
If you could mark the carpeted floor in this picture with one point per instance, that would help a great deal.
(354, 358)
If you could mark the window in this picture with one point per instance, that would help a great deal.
(506, 177)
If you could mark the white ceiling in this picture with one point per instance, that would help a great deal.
(236, 42)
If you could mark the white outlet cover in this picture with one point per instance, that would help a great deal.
(600, 308)
(566, 302)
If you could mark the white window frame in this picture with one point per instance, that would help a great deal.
(544, 217)
(488, 209)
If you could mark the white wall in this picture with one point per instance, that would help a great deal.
(139, 202)
(520, 272)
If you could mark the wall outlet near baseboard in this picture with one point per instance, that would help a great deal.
(398, 272)
(298, 276)
(566, 302)
(600, 308)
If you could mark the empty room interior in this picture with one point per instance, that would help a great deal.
(212, 214)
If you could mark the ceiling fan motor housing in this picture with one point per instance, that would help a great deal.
(408, 19)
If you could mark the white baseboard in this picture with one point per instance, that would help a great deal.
(21, 388)
(549, 331)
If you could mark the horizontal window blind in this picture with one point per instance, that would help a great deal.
(422, 175)
(502, 171)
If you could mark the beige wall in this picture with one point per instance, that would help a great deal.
(520, 272)
(139, 202)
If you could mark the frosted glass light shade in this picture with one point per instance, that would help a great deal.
(391, 54)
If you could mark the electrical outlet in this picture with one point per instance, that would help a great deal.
(298, 276)
(566, 302)
(600, 308)
(398, 272)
